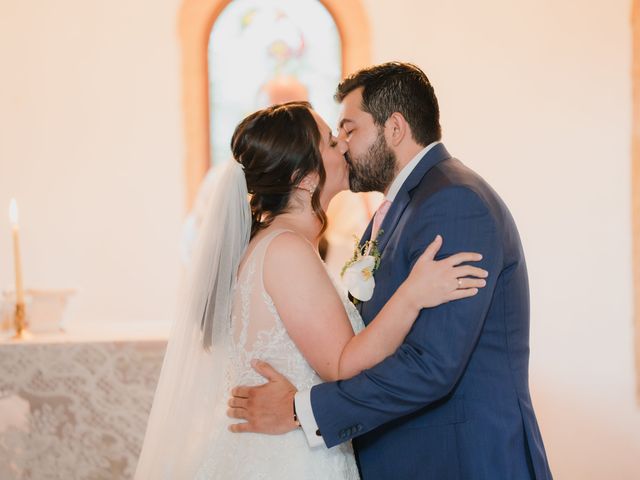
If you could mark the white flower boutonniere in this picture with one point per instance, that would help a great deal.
(357, 273)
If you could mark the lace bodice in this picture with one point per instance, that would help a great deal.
(259, 333)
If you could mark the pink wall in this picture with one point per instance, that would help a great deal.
(91, 146)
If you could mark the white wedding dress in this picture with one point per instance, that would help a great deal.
(258, 332)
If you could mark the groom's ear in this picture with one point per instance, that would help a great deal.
(396, 129)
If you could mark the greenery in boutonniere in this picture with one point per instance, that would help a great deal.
(357, 273)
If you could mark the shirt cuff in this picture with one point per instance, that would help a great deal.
(306, 418)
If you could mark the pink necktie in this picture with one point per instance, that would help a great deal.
(379, 217)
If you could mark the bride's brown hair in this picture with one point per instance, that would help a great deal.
(278, 147)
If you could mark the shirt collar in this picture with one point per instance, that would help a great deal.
(406, 171)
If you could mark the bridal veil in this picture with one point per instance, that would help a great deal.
(192, 376)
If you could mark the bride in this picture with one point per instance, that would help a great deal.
(257, 289)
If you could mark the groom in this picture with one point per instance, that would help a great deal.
(453, 401)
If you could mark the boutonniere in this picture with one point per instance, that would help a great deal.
(357, 273)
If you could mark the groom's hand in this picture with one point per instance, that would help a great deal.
(266, 408)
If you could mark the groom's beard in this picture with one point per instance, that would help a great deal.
(375, 170)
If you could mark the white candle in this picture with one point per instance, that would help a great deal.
(13, 216)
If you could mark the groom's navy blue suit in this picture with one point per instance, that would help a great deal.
(453, 401)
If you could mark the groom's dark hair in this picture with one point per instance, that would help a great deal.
(397, 87)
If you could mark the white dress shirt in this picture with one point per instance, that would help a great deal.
(303, 399)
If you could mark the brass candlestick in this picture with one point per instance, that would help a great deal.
(20, 323)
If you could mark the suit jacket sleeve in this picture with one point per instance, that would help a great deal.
(434, 355)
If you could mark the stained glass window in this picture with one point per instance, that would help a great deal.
(270, 51)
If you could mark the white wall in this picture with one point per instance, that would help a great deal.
(91, 146)
(535, 95)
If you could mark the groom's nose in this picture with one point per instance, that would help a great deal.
(343, 145)
(342, 135)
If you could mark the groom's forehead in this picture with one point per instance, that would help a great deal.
(350, 107)
(353, 100)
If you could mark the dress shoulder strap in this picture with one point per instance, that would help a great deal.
(264, 243)
(260, 251)
(256, 255)
(262, 246)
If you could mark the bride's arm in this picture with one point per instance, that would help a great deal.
(430, 283)
(316, 320)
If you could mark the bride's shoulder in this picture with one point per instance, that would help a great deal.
(287, 243)
(293, 275)
(288, 252)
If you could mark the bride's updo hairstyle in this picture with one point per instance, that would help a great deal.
(278, 147)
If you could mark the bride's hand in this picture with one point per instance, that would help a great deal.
(432, 283)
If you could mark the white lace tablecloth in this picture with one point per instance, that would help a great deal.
(73, 407)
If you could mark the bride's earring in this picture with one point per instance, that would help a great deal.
(308, 186)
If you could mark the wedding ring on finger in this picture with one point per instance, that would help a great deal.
(459, 284)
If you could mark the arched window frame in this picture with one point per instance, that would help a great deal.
(196, 20)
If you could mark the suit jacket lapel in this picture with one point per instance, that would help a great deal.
(392, 218)
(367, 233)
(363, 240)
(434, 156)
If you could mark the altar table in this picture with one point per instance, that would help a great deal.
(75, 405)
